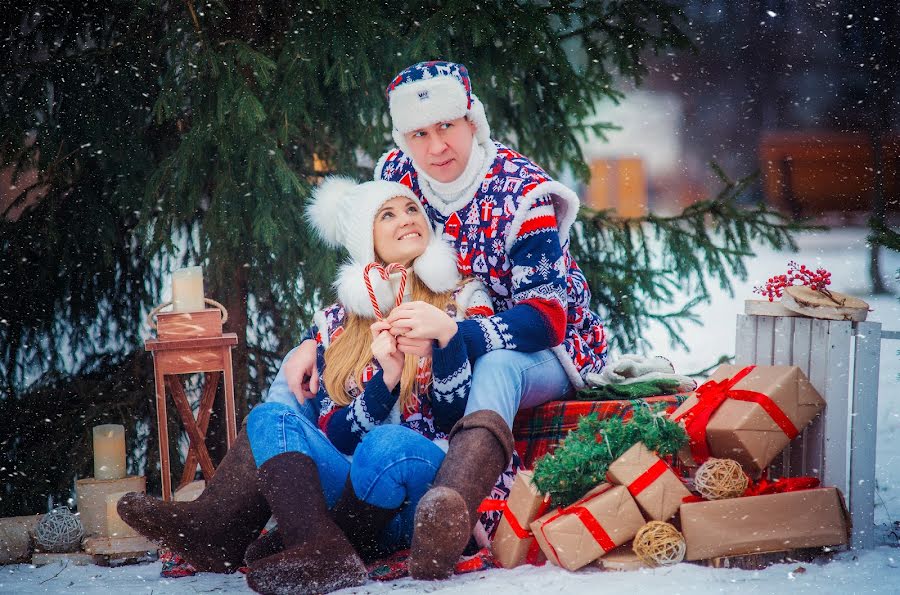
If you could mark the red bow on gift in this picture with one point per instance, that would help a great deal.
(710, 397)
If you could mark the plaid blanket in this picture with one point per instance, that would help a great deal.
(537, 431)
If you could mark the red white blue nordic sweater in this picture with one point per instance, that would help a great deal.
(509, 237)
(435, 409)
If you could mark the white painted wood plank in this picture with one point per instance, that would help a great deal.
(864, 422)
(800, 357)
(837, 399)
(765, 340)
(745, 340)
(818, 370)
(783, 343)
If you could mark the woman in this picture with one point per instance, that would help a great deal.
(390, 410)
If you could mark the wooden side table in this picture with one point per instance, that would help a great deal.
(172, 358)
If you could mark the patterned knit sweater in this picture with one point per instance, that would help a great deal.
(514, 236)
(435, 408)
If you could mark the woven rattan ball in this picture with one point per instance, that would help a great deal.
(718, 479)
(59, 531)
(659, 544)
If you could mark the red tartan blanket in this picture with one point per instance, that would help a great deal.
(537, 431)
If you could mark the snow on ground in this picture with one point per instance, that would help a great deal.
(844, 253)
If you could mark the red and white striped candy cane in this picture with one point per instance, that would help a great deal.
(385, 273)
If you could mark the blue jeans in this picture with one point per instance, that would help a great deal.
(506, 381)
(392, 467)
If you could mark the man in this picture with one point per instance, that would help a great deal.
(509, 222)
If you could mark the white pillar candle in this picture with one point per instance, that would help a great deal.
(187, 290)
(115, 526)
(109, 451)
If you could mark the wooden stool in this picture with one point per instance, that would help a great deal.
(173, 357)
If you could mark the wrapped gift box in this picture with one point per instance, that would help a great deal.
(650, 481)
(759, 415)
(514, 543)
(756, 524)
(539, 430)
(576, 535)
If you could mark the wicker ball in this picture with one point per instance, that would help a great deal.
(718, 479)
(659, 544)
(59, 531)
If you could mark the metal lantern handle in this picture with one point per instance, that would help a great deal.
(151, 321)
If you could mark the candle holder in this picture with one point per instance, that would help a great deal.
(191, 343)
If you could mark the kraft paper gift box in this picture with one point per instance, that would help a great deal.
(770, 523)
(576, 535)
(760, 410)
(650, 481)
(514, 543)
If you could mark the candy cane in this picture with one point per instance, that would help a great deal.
(386, 275)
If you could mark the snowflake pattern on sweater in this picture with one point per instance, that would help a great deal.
(508, 237)
(450, 375)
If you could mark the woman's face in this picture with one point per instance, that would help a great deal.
(400, 231)
(442, 149)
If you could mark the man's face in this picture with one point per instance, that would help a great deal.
(442, 149)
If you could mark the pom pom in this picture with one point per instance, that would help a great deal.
(718, 479)
(326, 208)
(659, 544)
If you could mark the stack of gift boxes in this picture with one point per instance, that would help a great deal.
(747, 414)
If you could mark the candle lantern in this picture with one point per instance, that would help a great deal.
(190, 341)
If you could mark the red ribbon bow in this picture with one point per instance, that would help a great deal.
(710, 397)
(765, 487)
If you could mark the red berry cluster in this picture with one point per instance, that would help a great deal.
(796, 275)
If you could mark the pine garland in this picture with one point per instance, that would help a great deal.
(582, 459)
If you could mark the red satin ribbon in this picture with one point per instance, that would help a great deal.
(489, 505)
(587, 519)
(647, 477)
(710, 397)
(764, 487)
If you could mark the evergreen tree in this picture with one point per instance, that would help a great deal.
(144, 135)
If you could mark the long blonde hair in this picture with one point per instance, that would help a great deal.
(351, 351)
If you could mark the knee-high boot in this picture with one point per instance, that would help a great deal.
(317, 557)
(213, 531)
(481, 446)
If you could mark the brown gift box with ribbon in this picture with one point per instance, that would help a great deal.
(769, 523)
(747, 413)
(650, 481)
(514, 543)
(576, 535)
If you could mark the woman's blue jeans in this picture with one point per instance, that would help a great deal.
(392, 467)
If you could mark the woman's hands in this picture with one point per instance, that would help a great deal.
(421, 320)
(386, 352)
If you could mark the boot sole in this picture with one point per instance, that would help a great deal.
(306, 570)
(441, 533)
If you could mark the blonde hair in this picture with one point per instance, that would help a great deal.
(351, 351)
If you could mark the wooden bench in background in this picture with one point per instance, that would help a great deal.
(813, 173)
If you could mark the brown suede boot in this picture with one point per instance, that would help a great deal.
(361, 522)
(213, 531)
(317, 557)
(481, 446)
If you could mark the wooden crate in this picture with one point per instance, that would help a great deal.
(841, 359)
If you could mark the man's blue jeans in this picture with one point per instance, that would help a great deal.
(392, 467)
(506, 381)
